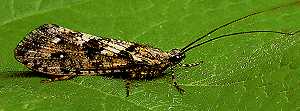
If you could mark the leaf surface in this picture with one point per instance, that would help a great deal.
(246, 72)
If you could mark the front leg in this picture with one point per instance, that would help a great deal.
(127, 86)
(174, 81)
(181, 91)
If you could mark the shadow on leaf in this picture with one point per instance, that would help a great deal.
(21, 74)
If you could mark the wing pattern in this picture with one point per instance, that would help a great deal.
(55, 50)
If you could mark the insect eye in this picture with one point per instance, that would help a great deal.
(176, 58)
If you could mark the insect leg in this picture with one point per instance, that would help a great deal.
(127, 86)
(58, 78)
(181, 91)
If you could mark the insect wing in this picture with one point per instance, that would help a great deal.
(55, 50)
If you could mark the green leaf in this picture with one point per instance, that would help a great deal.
(245, 72)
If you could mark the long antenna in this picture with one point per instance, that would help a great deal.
(234, 21)
(238, 33)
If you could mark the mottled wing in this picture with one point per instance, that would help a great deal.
(55, 50)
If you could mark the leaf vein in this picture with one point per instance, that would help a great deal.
(36, 13)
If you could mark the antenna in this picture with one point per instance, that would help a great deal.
(239, 33)
(234, 21)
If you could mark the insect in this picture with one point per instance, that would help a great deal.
(62, 54)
